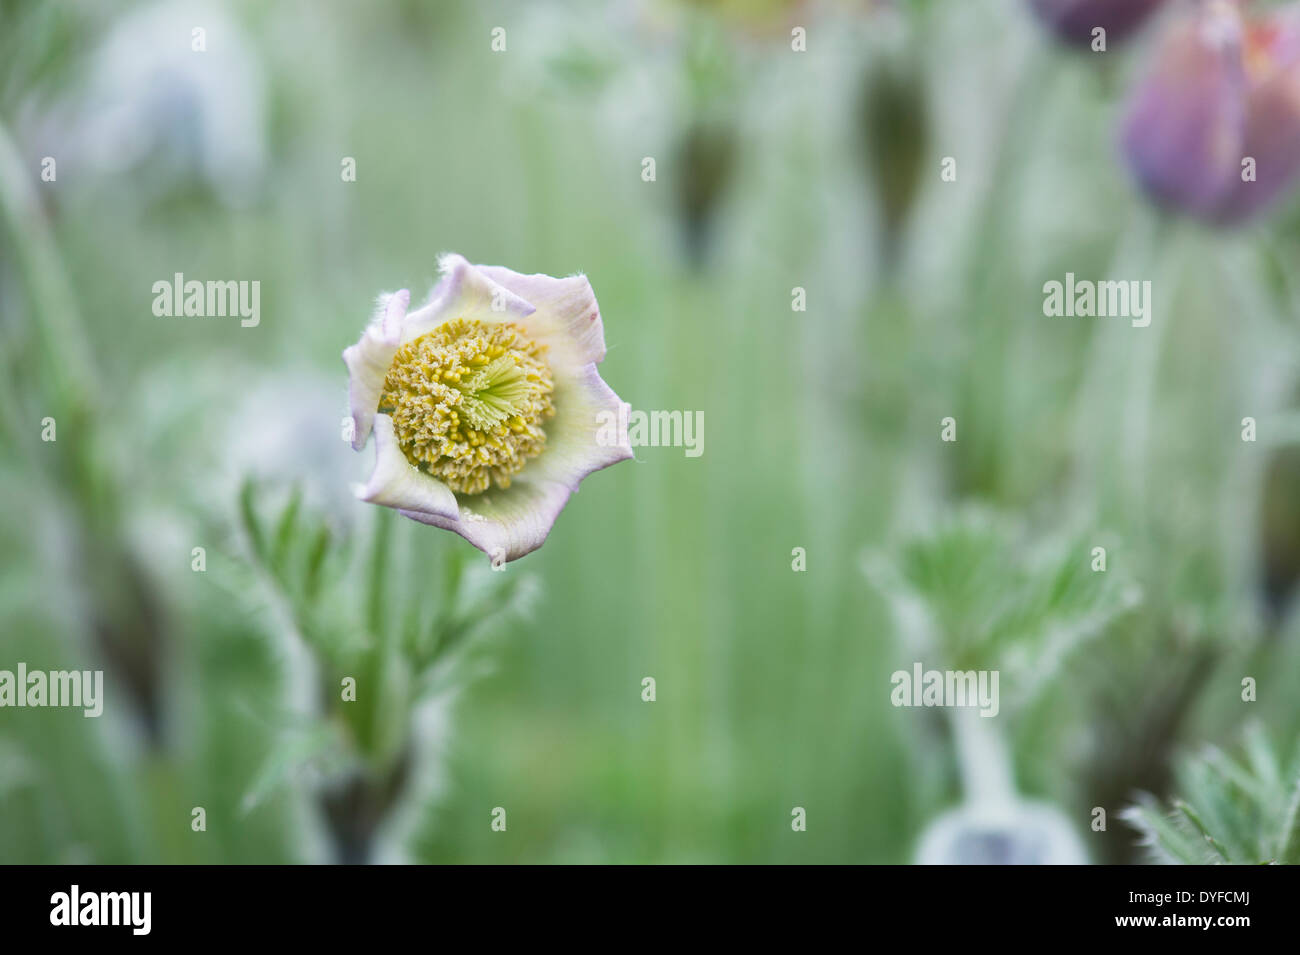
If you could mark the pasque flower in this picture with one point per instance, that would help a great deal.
(486, 405)
(1074, 20)
(1213, 130)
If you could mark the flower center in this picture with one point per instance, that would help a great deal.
(467, 401)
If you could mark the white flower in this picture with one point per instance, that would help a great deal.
(486, 405)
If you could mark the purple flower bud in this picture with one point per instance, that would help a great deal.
(1074, 20)
(1213, 130)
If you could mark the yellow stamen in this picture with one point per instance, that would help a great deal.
(468, 401)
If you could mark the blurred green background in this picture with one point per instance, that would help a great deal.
(776, 169)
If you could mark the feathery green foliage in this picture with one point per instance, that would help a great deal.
(1239, 812)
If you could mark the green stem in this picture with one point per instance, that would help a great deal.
(985, 368)
(1100, 387)
(56, 319)
(986, 771)
(377, 593)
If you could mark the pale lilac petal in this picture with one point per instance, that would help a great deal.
(567, 316)
(396, 483)
(464, 292)
(368, 362)
(588, 432)
(507, 524)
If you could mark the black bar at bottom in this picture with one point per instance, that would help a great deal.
(335, 905)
